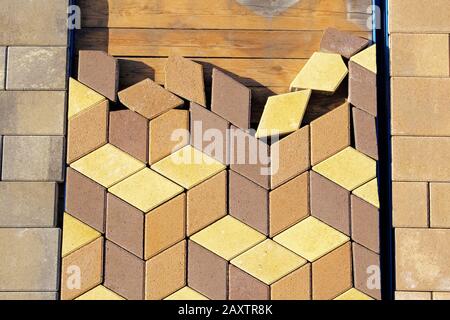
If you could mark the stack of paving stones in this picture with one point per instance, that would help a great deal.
(155, 213)
(33, 51)
(420, 147)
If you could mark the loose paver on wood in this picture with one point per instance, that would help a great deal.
(343, 43)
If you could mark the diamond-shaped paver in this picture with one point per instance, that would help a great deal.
(76, 234)
(100, 293)
(353, 294)
(369, 192)
(367, 58)
(81, 97)
(341, 42)
(186, 293)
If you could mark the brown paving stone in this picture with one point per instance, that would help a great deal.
(363, 88)
(28, 204)
(32, 158)
(85, 199)
(128, 131)
(422, 259)
(288, 204)
(207, 203)
(166, 272)
(86, 263)
(231, 100)
(165, 226)
(209, 133)
(124, 272)
(365, 224)
(2, 67)
(330, 134)
(250, 157)
(149, 99)
(35, 68)
(343, 43)
(162, 129)
(32, 259)
(185, 78)
(439, 205)
(40, 296)
(243, 286)
(290, 156)
(294, 286)
(330, 203)
(366, 271)
(248, 202)
(207, 272)
(410, 211)
(100, 72)
(410, 295)
(332, 274)
(365, 132)
(32, 112)
(87, 131)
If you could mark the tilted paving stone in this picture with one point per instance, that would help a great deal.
(343, 43)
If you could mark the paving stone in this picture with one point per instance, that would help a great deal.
(32, 112)
(185, 78)
(2, 67)
(441, 296)
(207, 272)
(250, 157)
(290, 157)
(422, 259)
(365, 224)
(100, 72)
(242, 286)
(207, 203)
(294, 286)
(108, 165)
(231, 100)
(420, 159)
(343, 43)
(28, 204)
(362, 88)
(413, 113)
(411, 295)
(100, 293)
(168, 133)
(32, 256)
(209, 133)
(311, 239)
(35, 158)
(165, 273)
(410, 211)
(85, 200)
(149, 99)
(28, 296)
(248, 202)
(420, 55)
(330, 134)
(330, 202)
(367, 58)
(369, 192)
(349, 168)
(353, 294)
(332, 274)
(323, 72)
(124, 272)
(76, 234)
(439, 205)
(81, 97)
(188, 167)
(288, 204)
(366, 271)
(82, 269)
(283, 114)
(365, 133)
(35, 68)
(27, 22)
(128, 131)
(87, 131)
(186, 293)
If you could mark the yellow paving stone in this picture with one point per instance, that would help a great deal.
(283, 113)
(100, 293)
(187, 294)
(353, 294)
(146, 190)
(323, 72)
(268, 261)
(76, 234)
(349, 168)
(369, 192)
(108, 165)
(228, 237)
(81, 97)
(367, 58)
(311, 239)
(188, 167)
